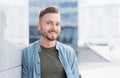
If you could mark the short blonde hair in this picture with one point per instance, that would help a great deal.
(50, 9)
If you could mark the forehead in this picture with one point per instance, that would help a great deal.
(51, 17)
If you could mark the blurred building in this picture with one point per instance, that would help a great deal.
(99, 22)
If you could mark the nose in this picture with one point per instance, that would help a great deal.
(54, 27)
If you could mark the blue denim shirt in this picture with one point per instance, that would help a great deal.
(31, 60)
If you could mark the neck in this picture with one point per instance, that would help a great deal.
(47, 43)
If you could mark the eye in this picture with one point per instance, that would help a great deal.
(49, 23)
(57, 24)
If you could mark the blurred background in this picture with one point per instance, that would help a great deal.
(91, 27)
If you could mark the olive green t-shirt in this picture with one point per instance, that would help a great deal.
(51, 66)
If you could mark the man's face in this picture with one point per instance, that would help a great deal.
(49, 26)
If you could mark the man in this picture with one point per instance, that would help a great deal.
(48, 58)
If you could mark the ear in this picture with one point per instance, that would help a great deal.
(38, 26)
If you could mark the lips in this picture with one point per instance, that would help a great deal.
(52, 32)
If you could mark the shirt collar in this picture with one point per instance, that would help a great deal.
(38, 48)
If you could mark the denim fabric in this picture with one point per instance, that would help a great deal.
(31, 60)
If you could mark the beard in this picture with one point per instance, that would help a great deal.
(50, 37)
(49, 34)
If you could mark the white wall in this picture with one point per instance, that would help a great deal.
(13, 36)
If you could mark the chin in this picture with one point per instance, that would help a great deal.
(52, 39)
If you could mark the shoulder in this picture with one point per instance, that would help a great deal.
(66, 48)
(68, 52)
(30, 48)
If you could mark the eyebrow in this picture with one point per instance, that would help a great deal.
(52, 21)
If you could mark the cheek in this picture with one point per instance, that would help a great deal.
(44, 27)
(59, 29)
